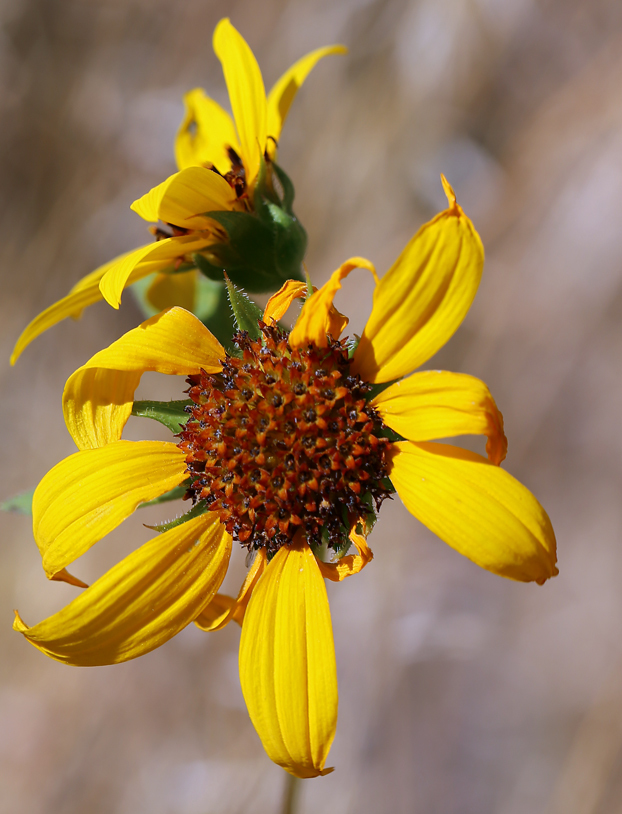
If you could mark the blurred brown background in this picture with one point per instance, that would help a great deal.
(461, 693)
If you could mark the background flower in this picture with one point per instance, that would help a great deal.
(467, 694)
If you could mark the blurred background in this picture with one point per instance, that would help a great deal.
(460, 692)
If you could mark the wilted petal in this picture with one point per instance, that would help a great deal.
(351, 563)
(279, 303)
(319, 319)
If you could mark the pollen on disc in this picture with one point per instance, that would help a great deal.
(283, 440)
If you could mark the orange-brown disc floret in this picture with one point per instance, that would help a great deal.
(282, 440)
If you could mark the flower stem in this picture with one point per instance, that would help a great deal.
(290, 796)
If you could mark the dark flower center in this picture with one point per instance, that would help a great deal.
(284, 440)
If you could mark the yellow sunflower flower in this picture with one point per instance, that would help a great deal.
(284, 450)
(219, 159)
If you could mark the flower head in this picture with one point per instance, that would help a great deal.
(286, 449)
(220, 162)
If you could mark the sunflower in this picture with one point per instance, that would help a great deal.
(289, 448)
(219, 160)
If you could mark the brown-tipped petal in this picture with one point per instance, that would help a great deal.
(437, 404)
(477, 508)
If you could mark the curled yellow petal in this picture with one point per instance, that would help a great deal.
(223, 609)
(423, 298)
(279, 303)
(287, 663)
(246, 93)
(155, 257)
(205, 133)
(91, 492)
(351, 563)
(142, 602)
(437, 404)
(477, 508)
(98, 397)
(183, 198)
(285, 89)
(319, 319)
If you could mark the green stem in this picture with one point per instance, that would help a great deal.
(290, 797)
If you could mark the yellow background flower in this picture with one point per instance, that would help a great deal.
(206, 136)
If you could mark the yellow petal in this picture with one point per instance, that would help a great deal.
(423, 298)
(319, 319)
(98, 397)
(183, 198)
(142, 602)
(87, 290)
(287, 663)
(437, 404)
(285, 89)
(477, 508)
(84, 293)
(222, 609)
(246, 93)
(205, 133)
(155, 257)
(173, 289)
(70, 305)
(279, 303)
(350, 564)
(91, 492)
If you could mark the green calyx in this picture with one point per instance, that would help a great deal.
(263, 248)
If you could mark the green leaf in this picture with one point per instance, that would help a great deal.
(196, 511)
(246, 313)
(170, 413)
(174, 494)
(21, 504)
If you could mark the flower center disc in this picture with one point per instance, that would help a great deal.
(283, 439)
